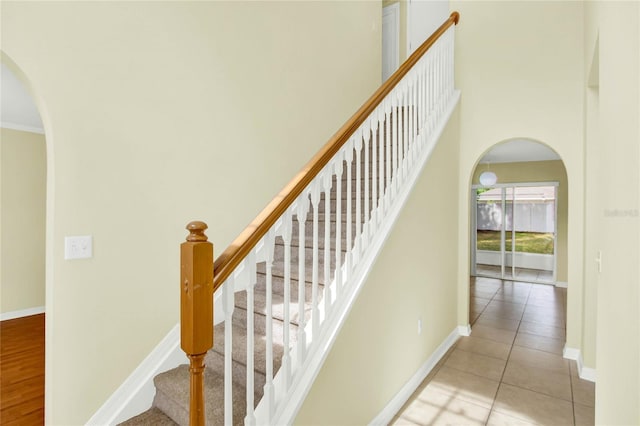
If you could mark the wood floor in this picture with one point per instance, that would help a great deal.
(22, 371)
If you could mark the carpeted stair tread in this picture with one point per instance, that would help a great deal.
(172, 396)
(214, 361)
(239, 340)
(278, 264)
(308, 231)
(152, 416)
(260, 298)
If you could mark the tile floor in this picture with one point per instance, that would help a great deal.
(510, 371)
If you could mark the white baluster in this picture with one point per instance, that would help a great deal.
(411, 111)
(425, 99)
(367, 166)
(373, 222)
(315, 314)
(436, 82)
(414, 117)
(420, 95)
(401, 135)
(423, 92)
(303, 209)
(440, 79)
(269, 397)
(338, 248)
(229, 306)
(250, 262)
(432, 90)
(396, 141)
(405, 130)
(349, 159)
(358, 147)
(381, 163)
(328, 177)
(286, 358)
(451, 43)
(387, 146)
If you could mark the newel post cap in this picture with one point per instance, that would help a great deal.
(196, 231)
(456, 17)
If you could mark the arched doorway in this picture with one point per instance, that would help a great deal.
(519, 239)
(519, 220)
(23, 189)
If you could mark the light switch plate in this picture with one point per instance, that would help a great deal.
(78, 247)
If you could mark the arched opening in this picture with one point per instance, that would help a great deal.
(519, 220)
(24, 188)
(518, 244)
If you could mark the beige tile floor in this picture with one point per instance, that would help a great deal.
(510, 371)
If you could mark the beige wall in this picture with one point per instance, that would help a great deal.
(158, 113)
(23, 189)
(612, 142)
(378, 348)
(518, 81)
(540, 171)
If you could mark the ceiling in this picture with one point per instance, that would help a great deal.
(17, 109)
(519, 150)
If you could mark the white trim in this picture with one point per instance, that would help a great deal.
(394, 10)
(556, 192)
(585, 373)
(21, 313)
(562, 284)
(503, 253)
(570, 353)
(304, 381)
(407, 20)
(396, 403)
(21, 127)
(464, 330)
(523, 184)
(136, 393)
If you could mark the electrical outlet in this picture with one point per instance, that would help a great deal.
(419, 326)
(78, 247)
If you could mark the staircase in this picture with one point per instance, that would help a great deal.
(281, 307)
(171, 403)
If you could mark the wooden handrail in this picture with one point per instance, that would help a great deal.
(242, 245)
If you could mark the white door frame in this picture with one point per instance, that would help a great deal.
(474, 213)
(394, 10)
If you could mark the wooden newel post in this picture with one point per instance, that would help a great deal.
(196, 311)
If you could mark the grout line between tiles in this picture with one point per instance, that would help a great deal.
(507, 361)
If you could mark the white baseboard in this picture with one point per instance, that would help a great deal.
(396, 403)
(562, 284)
(21, 313)
(136, 393)
(585, 373)
(464, 330)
